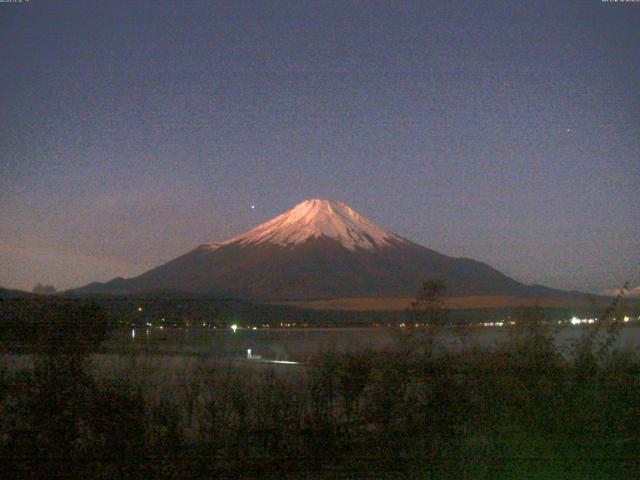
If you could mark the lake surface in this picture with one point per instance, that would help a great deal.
(301, 343)
(168, 356)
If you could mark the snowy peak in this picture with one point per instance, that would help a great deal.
(317, 218)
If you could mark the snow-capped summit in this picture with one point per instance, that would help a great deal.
(318, 218)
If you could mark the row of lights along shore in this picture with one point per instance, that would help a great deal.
(573, 321)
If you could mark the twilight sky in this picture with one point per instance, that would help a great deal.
(132, 131)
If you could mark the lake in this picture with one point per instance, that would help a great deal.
(301, 343)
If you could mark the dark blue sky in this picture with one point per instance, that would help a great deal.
(132, 131)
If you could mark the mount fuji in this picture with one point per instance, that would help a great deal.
(319, 250)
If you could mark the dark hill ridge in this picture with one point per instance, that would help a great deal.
(6, 294)
(321, 249)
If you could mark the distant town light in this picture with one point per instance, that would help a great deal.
(234, 327)
(494, 324)
(133, 333)
(575, 321)
(139, 309)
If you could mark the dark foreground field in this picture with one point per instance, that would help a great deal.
(518, 410)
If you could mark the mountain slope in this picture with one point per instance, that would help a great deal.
(321, 249)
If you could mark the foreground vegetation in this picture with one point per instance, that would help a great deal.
(520, 410)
